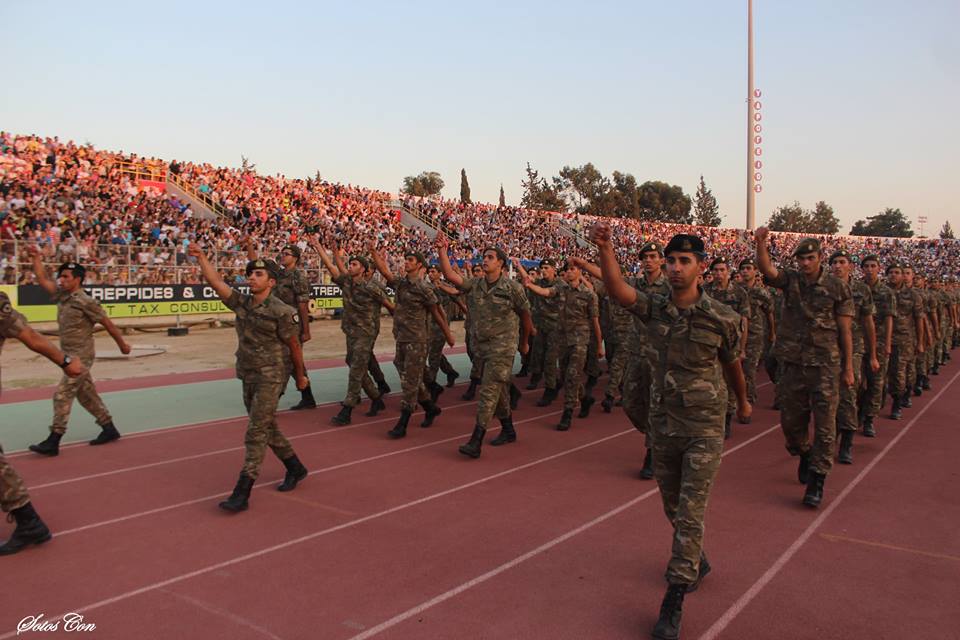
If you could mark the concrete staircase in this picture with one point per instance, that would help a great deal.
(203, 205)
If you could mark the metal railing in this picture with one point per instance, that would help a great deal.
(194, 192)
(143, 170)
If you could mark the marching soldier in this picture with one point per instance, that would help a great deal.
(885, 306)
(14, 499)
(475, 363)
(815, 348)
(546, 342)
(761, 327)
(721, 289)
(415, 302)
(268, 343)
(695, 350)
(908, 338)
(77, 316)
(436, 361)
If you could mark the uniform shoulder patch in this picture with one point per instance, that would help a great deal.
(296, 318)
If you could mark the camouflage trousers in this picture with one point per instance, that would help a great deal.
(13, 493)
(83, 389)
(545, 354)
(260, 399)
(848, 407)
(573, 360)
(436, 361)
(901, 360)
(809, 390)
(493, 396)
(636, 394)
(359, 356)
(476, 365)
(685, 468)
(592, 365)
(873, 395)
(410, 360)
(617, 367)
(750, 365)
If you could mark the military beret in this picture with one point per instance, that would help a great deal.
(894, 265)
(500, 253)
(869, 257)
(685, 242)
(748, 262)
(362, 260)
(267, 265)
(652, 247)
(839, 253)
(718, 260)
(77, 269)
(807, 245)
(548, 262)
(416, 255)
(294, 249)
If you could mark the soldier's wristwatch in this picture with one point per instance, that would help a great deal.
(66, 361)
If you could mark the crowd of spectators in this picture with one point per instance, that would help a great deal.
(109, 211)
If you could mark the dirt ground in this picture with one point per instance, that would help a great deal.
(206, 347)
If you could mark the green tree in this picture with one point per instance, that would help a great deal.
(464, 187)
(503, 198)
(790, 217)
(823, 219)
(428, 183)
(584, 189)
(705, 209)
(538, 194)
(664, 202)
(623, 200)
(889, 223)
(947, 231)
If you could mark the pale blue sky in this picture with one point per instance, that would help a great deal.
(859, 97)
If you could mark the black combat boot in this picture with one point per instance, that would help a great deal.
(108, 433)
(435, 390)
(383, 387)
(400, 429)
(549, 395)
(471, 390)
(30, 530)
(342, 418)
(702, 573)
(646, 473)
(896, 413)
(239, 499)
(515, 396)
(472, 448)
(845, 454)
(452, 378)
(306, 400)
(726, 426)
(376, 406)
(925, 384)
(524, 370)
(607, 404)
(814, 493)
(565, 420)
(432, 411)
(671, 609)
(803, 470)
(585, 404)
(50, 446)
(295, 473)
(868, 430)
(590, 384)
(905, 401)
(534, 381)
(507, 433)
(935, 370)
(918, 386)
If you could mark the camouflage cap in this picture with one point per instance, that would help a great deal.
(294, 249)
(77, 269)
(747, 262)
(267, 265)
(416, 255)
(807, 245)
(652, 247)
(685, 242)
(839, 253)
(718, 260)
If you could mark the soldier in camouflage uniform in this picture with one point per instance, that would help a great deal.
(77, 316)
(907, 336)
(694, 344)
(293, 288)
(546, 344)
(476, 364)
(770, 362)
(721, 289)
(761, 325)
(436, 361)
(922, 364)
(415, 303)
(578, 316)
(864, 336)
(268, 343)
(362, 327)
(14, 499)
(500, 310)
(815, 346)
(885, 307)
(919, 311)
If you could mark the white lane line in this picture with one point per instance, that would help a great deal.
(420, 608)
(317, 534)
(724, 621)
(342, 465)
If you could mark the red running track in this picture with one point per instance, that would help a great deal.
(551, 537)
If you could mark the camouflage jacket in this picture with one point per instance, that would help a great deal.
(687, 347)
(496, 310)
(621, 321)
(443, 299)
(863, 307)
(78, 315)
(579, 307)
(909, 312)
(734, 296)
(293, 288)
(809, 334)
(12, 321)
(761, 304)
(263, 331)
(414, 299)
(885, 305)
(361, 305)
(640, 283)
(546, 311)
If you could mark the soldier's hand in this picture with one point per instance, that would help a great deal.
(761, 234)
(302, 382)
(305, 336)
(33, 250)
(194, 250)
(450, 340)
(523, 347)
(441, 241)
(75, 369)
(848, 378)
(874, 365)
(125, 348)
(579, 263)
(744, 411)
(600, 234)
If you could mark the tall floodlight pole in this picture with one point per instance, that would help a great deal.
(751, 179)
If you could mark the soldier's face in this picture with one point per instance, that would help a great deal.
(749, 273)
(840, 267)
(871, 270)
(66, 281)
(288, 260)
(895, 276)
(491, 262)
(548, 272)
(411, 264)
(355, 269)
(721, 273)
(809, 263)
(260, 280)
(477, 272)
(434, 275)
(683, 269)
(908, 277)
(571, 275)
(651, 262)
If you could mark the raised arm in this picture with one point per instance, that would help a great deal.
(251, 251)
(618, 288)
(589, 267)
(324, 258)
(40, 271)
(380, 262)
(224, 291)
(764, 263)
(443, 247)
